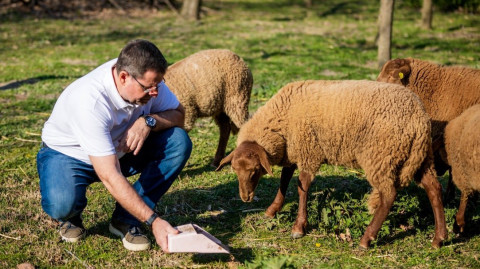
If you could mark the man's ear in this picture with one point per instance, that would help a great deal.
(264, 161)
(123, 75)
(225, 161)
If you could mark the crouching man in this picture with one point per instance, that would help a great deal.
(118, 120)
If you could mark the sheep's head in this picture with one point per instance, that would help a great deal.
(395, 71)
(249, 161)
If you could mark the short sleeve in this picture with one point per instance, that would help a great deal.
(166, 99)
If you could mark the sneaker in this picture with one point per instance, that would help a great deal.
(70, 232)
(132, 236)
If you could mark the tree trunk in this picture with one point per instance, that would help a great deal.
(308, 3)
(191, 9)
(427, 14)
(385, 22)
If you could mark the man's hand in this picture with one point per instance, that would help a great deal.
(161, 229)
(108, 170)
(134, 137)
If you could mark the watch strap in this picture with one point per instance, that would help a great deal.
(152, 218)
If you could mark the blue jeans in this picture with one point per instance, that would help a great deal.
(64, 180)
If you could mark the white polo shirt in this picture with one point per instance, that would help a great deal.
(90, 116)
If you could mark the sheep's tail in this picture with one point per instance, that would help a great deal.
(236, 107)
(421, 155)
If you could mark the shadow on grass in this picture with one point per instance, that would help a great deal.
(62, 38)
(18, 83)
(334, 9)
(216, 209)
(345, 201)
(389, 239)
(193, 170)
(436, 44)
(471, 228)
(220, 211)
(101, 228)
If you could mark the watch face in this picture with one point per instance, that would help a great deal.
(150, 121)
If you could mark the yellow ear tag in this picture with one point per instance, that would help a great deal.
(400, 75)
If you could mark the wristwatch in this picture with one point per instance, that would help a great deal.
(150, 121)
(152, 218)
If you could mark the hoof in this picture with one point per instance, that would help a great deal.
(365, 242)
(270, 216)
(437, 243)
(270, 213)
(457, 229)
(296, 235)
(362, 247)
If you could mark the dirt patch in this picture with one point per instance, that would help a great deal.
(79, 62)
(83, 8)
(330, 73)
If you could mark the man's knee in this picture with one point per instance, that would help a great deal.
(60, 206)
(181, 142)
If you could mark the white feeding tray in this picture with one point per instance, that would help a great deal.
(194, 239)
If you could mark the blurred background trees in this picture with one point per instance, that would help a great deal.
(427, 13)
(385, 25)
(192, 11)
(191, 8)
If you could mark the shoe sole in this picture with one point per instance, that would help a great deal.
(73, 239)
(126, 244)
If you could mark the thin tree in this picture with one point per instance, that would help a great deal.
(385, 26)
(427, 14)
(191, 9)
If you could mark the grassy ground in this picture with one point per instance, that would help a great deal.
(281, 41)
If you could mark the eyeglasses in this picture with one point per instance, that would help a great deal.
(145, 89)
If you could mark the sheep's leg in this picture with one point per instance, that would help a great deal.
(434, 192)
(304, 181)
(190, 116)
(387, 197)
(223, 122)
(277, 204)
(450, 192)
(459, 225)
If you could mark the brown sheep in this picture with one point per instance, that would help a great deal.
(462, 145)
(379, 127)
(213, 83)
(445, 92)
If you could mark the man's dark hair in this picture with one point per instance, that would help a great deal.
(140, 56)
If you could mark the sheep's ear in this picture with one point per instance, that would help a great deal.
(402, 69)
(225, 160)
(264, 162)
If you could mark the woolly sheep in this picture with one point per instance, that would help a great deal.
(462, 145)
(379, 127)
(213, 83)
(445, 92)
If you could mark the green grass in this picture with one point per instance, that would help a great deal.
(282, 42)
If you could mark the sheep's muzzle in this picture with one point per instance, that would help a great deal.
(246, 196)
